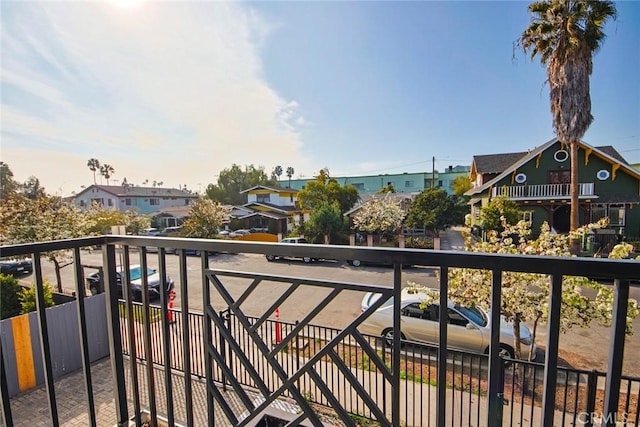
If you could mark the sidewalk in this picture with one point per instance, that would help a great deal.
(451, 239)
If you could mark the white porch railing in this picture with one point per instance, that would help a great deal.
(542, 191)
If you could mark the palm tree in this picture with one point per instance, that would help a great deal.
(94, 165)
(565, 34)
(290, 172)
(277, 171)
(107, 171)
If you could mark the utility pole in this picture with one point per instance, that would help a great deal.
(433, 172)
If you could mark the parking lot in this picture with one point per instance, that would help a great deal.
(584, 348)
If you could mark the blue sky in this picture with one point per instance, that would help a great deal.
(177, 91)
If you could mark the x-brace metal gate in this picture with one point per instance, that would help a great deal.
(233, 347)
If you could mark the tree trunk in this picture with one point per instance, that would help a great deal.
(575, 199)
(58, 275)
(326, 239)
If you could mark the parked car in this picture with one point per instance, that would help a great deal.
(469, 327)
(241, 232)
(95, 282)
(16, 267)
(291, 240)
(150, 232)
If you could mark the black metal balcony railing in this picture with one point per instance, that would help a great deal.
(259, 377)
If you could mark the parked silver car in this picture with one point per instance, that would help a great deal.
(469, 327)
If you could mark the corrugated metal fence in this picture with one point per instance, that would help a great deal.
(20, 340)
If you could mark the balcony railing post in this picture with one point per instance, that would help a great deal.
(113, 330)
(4, 393)
(225, 315)
(551, 358)
(441, 411)
(592, 387)
(496, 364)
(395, 398)
(616, 352)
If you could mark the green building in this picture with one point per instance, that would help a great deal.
(402, 183)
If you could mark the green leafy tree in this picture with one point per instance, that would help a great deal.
(432, 210)
(205, 217)
(8, 185)
(565, 35)
(525, 296)
(27, 297)
(236, 179)
(103, 219)
(32, 189)
(499, 211)
(326, 190)
(94, 165)
(136, 223)
(461, 185)
(9, 301)
(44, 219)
(326, 220)
(389, 188)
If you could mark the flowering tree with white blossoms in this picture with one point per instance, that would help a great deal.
(525, 296)
(46, 218)
(380, 214)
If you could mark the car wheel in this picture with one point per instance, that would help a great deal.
(306, 259)
(387, 337)
(270, 257)
(356, 263)
(507, 351)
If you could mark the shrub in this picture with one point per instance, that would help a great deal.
(9, 302)
(418, 243)
(27, 297)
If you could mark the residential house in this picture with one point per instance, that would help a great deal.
(272, 206)
(539, 181)
(142, 199)
(413, 183)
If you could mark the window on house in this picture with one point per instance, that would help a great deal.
(98, 201)
(408, 184)
(527, 216)
(186, 202)
(439, 183)
(127, 202)
(559, 177)
(110, 202)
(616, 215)
(82, 203)
(598, 212)
(154, 202)
(261, 198)
(476, 211)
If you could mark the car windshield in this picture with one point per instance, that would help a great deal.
(136, 273)
(473, 314)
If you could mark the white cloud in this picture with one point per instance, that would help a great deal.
(166, 91)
